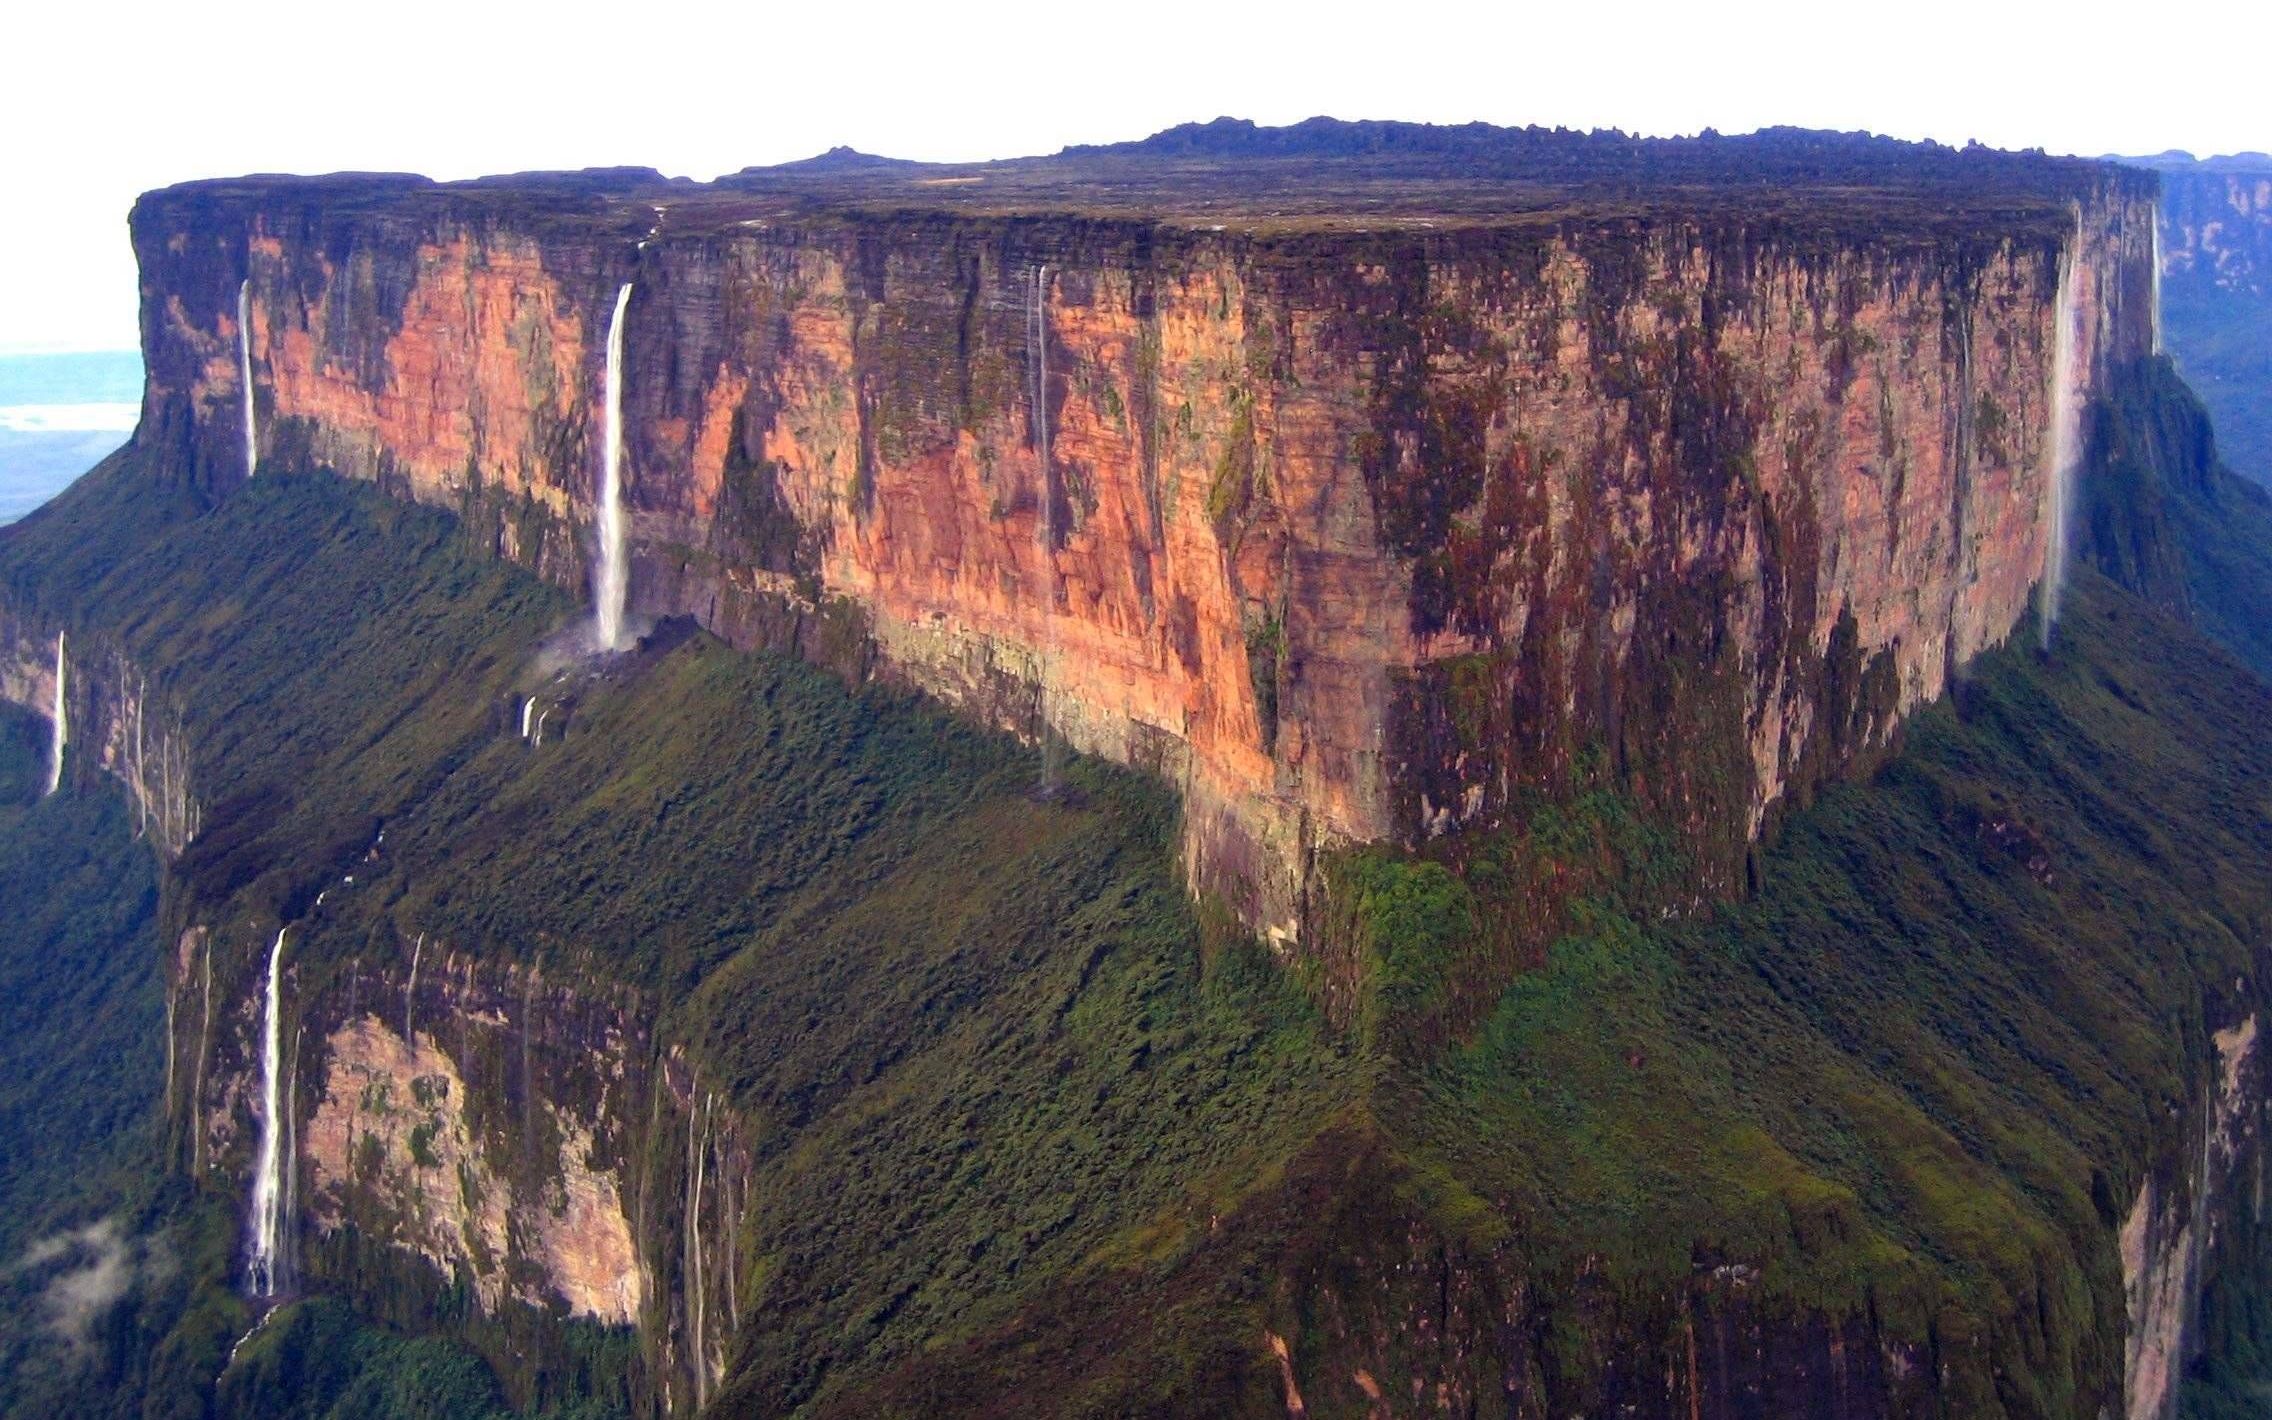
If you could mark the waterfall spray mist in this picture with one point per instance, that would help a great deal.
(611, 582)
(263, 1277)
(244, 374)
(62, 736)
(2066, 439)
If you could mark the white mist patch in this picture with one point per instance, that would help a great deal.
(101, 1267)
(611, 578)
(69, 418)
(263, 1274)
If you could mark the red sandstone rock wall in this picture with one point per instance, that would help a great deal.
(1351, 535)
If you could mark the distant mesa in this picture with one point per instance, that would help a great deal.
(840, 159)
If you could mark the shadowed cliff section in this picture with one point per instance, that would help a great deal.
(2164, 516)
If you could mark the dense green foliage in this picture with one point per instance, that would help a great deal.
(1021, 1121)
(316, 1360)
(1962, 1000)
(81, 1037)
(852, 907)
(1919, 1076)
(81, 1043)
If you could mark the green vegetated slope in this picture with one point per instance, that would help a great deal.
(81, 1066)
(976, 1036)
(1034, 1134)
(1920, 1075)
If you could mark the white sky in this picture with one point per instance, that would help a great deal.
(102, 100)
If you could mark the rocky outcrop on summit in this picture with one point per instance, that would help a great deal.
(1354, 529)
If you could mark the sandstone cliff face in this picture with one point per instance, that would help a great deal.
(506, 1130)
(393, 1145)
(116, 724)
(1352, 535)
(2184, 1218)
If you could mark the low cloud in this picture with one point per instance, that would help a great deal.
(98, 1266)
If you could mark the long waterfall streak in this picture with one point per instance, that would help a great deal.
(1037, 343)
(204, 1048)
(2157, 282)
(141, 780)
(2066, 438)
(697, 1149)
(263, 1277)
(286, 1252)
(244, 374)
(171, 990)
(611, 579)
(62, 735)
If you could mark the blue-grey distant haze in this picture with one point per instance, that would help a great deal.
(59, 415)
(107, 99)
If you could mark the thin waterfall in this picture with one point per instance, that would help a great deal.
(528, 708)
(612, 582)
(263, 1277)
(1037, 342)
(410, 996)
(2157, 282)
(2066, 438)
(204, 1048)
(62, 734)
(698, 1154)
(287, 1248)
(244, 374)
